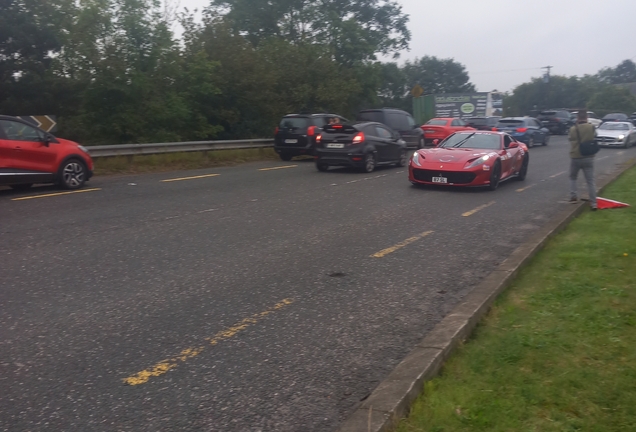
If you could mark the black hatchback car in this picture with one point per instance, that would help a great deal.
(556, 121)
(362, 145)
(482, 123)
(296, 133)
(399, 121)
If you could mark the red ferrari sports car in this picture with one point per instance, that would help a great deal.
(439, 128)
(479, 158)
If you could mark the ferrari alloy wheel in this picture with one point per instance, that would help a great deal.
(523, 171)
(404, 157)
(495, 176)
(72, 174)
(369, 162)
(322, 166)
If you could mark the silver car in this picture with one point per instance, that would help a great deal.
(616, 134)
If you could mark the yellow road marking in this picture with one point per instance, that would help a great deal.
(472, 212)
(280, 167)
(400, 245)
(558, 174)
(165, 365)
(55, 194)
(191, 178)
(527, 187)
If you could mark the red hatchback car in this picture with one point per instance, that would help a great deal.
(467, 158)
(440, 128)
(29, 155)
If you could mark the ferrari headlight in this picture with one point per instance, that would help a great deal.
(482, 160)
(621, 137)
(416, 159)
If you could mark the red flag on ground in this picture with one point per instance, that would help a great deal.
(604, 203)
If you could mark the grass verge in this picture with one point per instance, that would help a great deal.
(557, 352)
(180, 161)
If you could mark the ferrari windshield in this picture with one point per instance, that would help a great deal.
(473, 140)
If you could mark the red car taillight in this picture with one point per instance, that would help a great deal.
(522, 130)
(318, 138)
(358, 138)
(276, 130)
(311, 130)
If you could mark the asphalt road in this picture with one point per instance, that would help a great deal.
(262, 297)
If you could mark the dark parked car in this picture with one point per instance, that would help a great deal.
(399, 121)
(362, 145)
(632, 118)
(619, 117)
(482, 123)
(525, 129)
(296, 133)
(556, 121)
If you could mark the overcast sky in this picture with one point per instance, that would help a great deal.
(504, 43)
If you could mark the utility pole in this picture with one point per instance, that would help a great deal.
(546, 80)
(547, 75)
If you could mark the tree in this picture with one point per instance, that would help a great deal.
(624, 73)
(559, 92)
(612, 98)
(29, 40)
(437, 76)
(393, 89)
(355, 30)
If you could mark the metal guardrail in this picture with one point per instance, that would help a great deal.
(192, 146)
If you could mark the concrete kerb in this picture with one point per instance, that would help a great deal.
(390, 401)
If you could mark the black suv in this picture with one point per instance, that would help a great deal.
(557, 121)
(482, 123)
(296, 133)
(398, 120)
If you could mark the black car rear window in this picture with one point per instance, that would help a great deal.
(373, 116)
(398, 121)
(294, 122)
(509, 123)
(548, 113)
(477, 121)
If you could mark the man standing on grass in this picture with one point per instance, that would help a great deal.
(582, 131)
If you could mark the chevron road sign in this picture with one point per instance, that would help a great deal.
(45, 122)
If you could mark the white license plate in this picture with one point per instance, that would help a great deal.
(335, 145)
(440, 180)
(291, 141)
